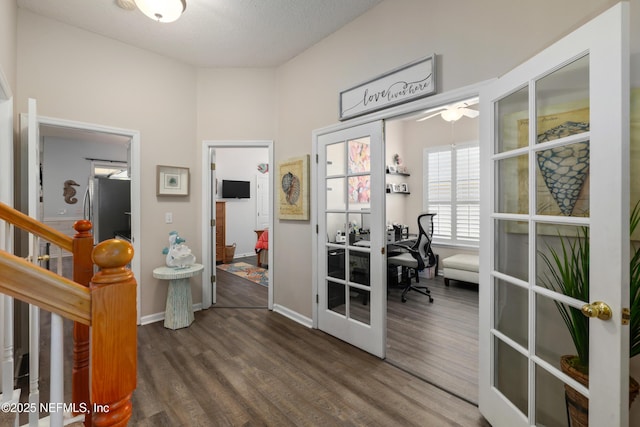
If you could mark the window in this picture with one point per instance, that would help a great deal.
(452, 191)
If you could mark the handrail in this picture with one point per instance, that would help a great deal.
(35, 285)
(29, 224)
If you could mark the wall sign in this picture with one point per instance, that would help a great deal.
(407, 83)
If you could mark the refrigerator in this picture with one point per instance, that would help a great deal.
(107, 204)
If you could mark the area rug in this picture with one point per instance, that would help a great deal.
(250, 272)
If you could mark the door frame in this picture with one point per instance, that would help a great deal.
(207, 212)
(433, 101)
(134, 136)
(6, 142)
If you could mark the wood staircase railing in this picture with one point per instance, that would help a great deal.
(103, 308)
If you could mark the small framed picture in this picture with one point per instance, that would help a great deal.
(403, 188)
(392, 169)
(172, 181)
(395, 188)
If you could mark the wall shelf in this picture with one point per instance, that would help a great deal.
(398, 173)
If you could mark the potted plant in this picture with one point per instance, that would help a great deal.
(569, 274)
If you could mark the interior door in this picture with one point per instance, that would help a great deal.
(351, 274)
(262, 202)
(555, 149)
(212, 214)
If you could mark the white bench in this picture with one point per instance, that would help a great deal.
(461, 267)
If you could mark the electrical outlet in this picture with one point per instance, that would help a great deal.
(168, 217)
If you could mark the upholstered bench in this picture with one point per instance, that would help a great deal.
(461, 267)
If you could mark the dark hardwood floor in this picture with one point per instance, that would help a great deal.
(236, 366)
(437, 341)
(236, 292)
(256, 367)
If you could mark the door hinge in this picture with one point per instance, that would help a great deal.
(626, 316)
(213, 278)
(317, 299)
(213, 222)
(317, 229)
(213, 166)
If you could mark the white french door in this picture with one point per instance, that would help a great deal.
(554, 151)
(351, 262)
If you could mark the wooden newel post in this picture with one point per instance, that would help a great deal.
(113, 334)
(82, 272)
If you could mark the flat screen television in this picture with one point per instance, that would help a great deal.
(235, 189)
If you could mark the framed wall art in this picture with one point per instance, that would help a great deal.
(293, 195)
(172, 181)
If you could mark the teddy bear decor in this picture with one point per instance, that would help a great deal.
(178, 254)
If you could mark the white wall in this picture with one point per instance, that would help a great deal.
(8, 52)
(240, 164)
(81, 76)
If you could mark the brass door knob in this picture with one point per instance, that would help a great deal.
(597, 309)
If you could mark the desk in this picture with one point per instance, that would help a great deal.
(179, 309)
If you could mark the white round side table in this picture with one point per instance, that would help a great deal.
(179, 309)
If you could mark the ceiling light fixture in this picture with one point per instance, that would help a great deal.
(451, 115)
(162, 10)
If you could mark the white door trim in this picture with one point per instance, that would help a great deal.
(6, 141)
(135, 184)
(208, 289)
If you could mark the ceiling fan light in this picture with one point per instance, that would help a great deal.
(162, 10)
(451, 115)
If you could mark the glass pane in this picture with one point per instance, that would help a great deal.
(336, 159)
(359, 308)
(336, 227)
(356, 227)
(512, 115)
(511, 311)
(335, 263)
(359, 264)
(551, 407)
(336, 298)
(359, 156)
(553, 339)
(336, 199)
(511, 375)
(562, 180)
(562, 265)
(359, 191)
(562, 101)
(563, 259)
(512, 188)
(511, 248)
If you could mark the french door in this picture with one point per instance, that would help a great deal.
(555, 150)
(351, 246)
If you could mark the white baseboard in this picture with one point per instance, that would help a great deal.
(158, 317)
(293, 315)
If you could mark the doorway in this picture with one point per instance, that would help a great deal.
(413, 184)
(34, 127)
(421, 166)
(238, 214)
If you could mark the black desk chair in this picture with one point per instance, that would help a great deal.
(416, 258)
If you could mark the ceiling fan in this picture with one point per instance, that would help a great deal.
(453, 112)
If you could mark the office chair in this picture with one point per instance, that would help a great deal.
(416, 258)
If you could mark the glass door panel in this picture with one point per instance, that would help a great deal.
(549, 250)
(510, 319)
(510, 245)
(512, 111)
(351, 301)
(512, 184)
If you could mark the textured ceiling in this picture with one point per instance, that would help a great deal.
(214, 33)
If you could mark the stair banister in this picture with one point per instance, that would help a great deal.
(113, 334)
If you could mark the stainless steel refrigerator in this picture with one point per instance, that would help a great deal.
(107, 204)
